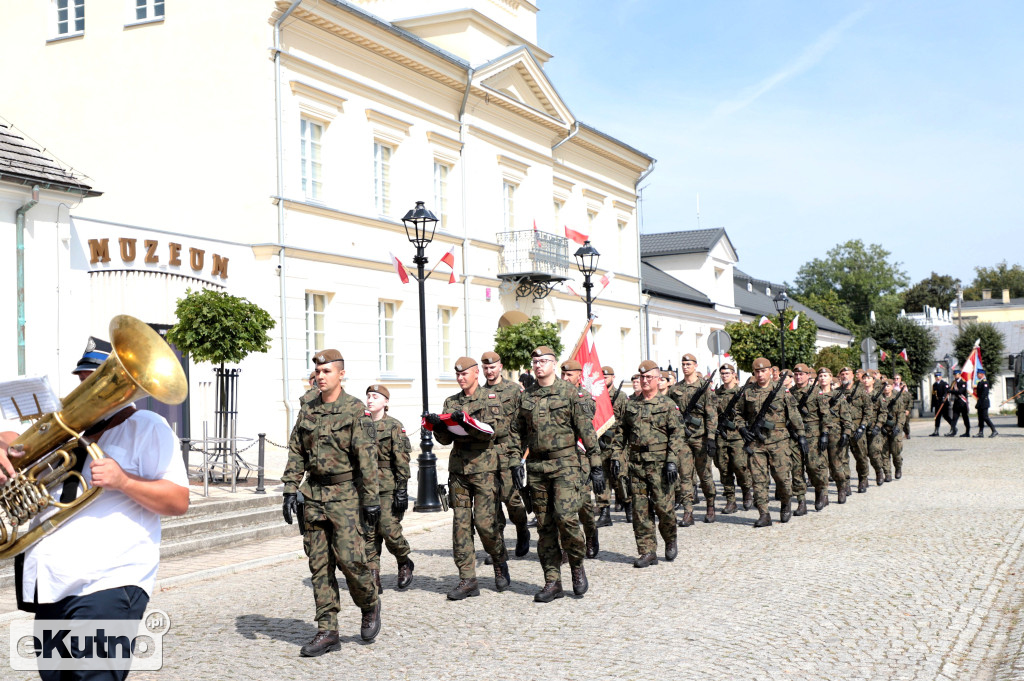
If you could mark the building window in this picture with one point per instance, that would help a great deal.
(441, 193)
(312, 170)
(508, 195)
(444, 339)
(382, 177)
(386, 317)
(70, 17)
(148, 10)
(591, 218)
(316, 306)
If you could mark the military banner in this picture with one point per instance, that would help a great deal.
(593, 380)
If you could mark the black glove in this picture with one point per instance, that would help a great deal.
(615, 468)
(859, 433)
(433, 419)
(519, 477)
(597, 479)
(804, 447)
(290, 507)
(710, 446)
(747, 436)
(823, 443)
(527, 496)
(371, 516)
(671, 472)
(400, 502)
(875, 431)
(844, 440)
(459, 417)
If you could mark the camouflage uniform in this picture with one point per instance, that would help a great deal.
(588, 518)
(510, 395)
(335, 446)
(730, 458)
(473, 487)
(876, 443)
(862, 414)
(849, 392)
(772, 456)
(892, 418)
(549, 423)
(817, 467)
(393, 449)
(835, 421)
(608, 453)
(699, 426)
(652, 434)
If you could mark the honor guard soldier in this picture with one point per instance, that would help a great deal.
(572, 372)
(510, 395)
(731, 459)
(473, 486)
(957, 397)
(768, 409)
(393, 450)
(652, 434)
(332, 460)
(983, 405)
(939, 404)
(700, 421)
(549, 425)
(811, 410)
(835, 432)
(616, 470)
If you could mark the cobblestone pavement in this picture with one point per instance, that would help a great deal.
(913, 580)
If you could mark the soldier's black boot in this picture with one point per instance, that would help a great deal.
(522, 540)
(786, 512)
(593, 545)
(966, 433)
(466, 587)
(686, 520)
(748, 499)
(371, 623)
(579, 579)
(764, 520)
(709, 516)
(899, 472)
(952, 432)
(846, 485)
(323, 642)
(862, 486)
(730, 507)
(935, 433)
(405, 573)
(550, 592)
(801, 507)
(605, 519)
(981, 433)
(820, 499)
(841, 490)
(994, 433)
(628, 506)
(502, 580)
(646, 560)
(879, 478)
(671, 551)
(376, 580)
(888, 476)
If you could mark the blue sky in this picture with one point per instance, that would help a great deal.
(804, 124)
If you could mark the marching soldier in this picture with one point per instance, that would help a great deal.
(473, 479)
(615, 470)
(939, 404)
(572, 372)
(332, 459)
(983, 405)
(957, 397)
(652, 433)
(731, 459)
(876, 441)
(848, 386)
(835, 429)
(393, 449)
(768, 439)
(508, 457)
(549, 424)
(637, 392)
(699, 446)
(906, 402)
(890, 408)
(862, 417)
(811, 411)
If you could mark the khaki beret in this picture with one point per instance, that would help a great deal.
(607, 371)
(761, 363)
(571, 365)
(647, 365)
(804, 368)
(378, 388)
(689, 358)
(634, 377)
(728, 367)
(543, 350)
(846, 369)
(325, 356)
(464, 363)
(824, 370)
(490, 357)
(786, 373)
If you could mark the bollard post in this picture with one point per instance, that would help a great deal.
(259, 476)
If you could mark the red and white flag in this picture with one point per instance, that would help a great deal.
(884, 356)
(573, 235)
(448, 259)
(764, 320)
(399, 269)
(572, 291)
(796, 321)
(593, 380)
(969, 371)
(607, 279)
(903, 355)
(461, 430)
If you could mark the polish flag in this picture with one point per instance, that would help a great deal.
(572, 290)
(903, 355)
(607, 279)
(969, 371)
(573, 235)
(449, 259)
(796, 320)
(399, 269)
(884, 356)
(764, 320)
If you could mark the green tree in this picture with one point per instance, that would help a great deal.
(515, 342)
(829, 305)
(938, 290)
(996, 279)
(993, 345)
(835, 357)
(750, 341)
(217, 327)
(893, 334)
(861, 276)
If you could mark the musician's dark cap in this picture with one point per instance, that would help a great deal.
(464, 363)
(981, 371)
(379, 389)
(607, 371)
(647, 365)
(543, 350)
(490, 357)
(571, 365)
(96, 352)
(761, 363)
(938, 373)
(328, 356)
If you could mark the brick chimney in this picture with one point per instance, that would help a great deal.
(986, 294)
(1006, 296)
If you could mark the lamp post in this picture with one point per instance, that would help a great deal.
(892, 347)
(586, 261)
(781, 303)
(420, 224)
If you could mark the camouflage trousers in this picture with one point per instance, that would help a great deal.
(863, 456)
(556, 503)
(875, 445)
(838, 460)
(515, 510)
(694, 464)
(733, 467)
(652, 496)
(389, 533)
(816, 468)
(335, 538)
(588, 517)
(892, 452)
(771, 459)
(474, 500)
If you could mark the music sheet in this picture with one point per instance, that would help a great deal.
(27, 398)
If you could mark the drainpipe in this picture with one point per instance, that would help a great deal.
(20, 223)
(465, 218)
(639, 268)
(282, 267)
(575, 131)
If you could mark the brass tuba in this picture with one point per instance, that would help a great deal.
(141, 363)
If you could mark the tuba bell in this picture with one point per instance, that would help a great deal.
(140, 364)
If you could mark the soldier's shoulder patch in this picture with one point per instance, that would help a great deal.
(492, 396)
(676, 406)
(366, 412)
(403, 430)
(580, 393)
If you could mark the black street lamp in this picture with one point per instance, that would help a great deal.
(420, 224)
(586, 261)
(892, 350)
(781, 303)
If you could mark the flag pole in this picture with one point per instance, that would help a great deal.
(580, 341)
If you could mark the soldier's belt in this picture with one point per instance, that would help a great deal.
(475, 447)
(553, 454)
(662, 447)
(332, 479)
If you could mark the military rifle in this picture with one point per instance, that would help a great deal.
(754, 431)
(692, 404)
(802, 408)
(730, 408)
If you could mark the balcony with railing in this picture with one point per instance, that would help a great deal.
(533, 262)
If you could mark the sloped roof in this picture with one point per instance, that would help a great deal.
(22, 163)
(657, 282)
(1013, 338)
(677, 243)
(756, 302)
